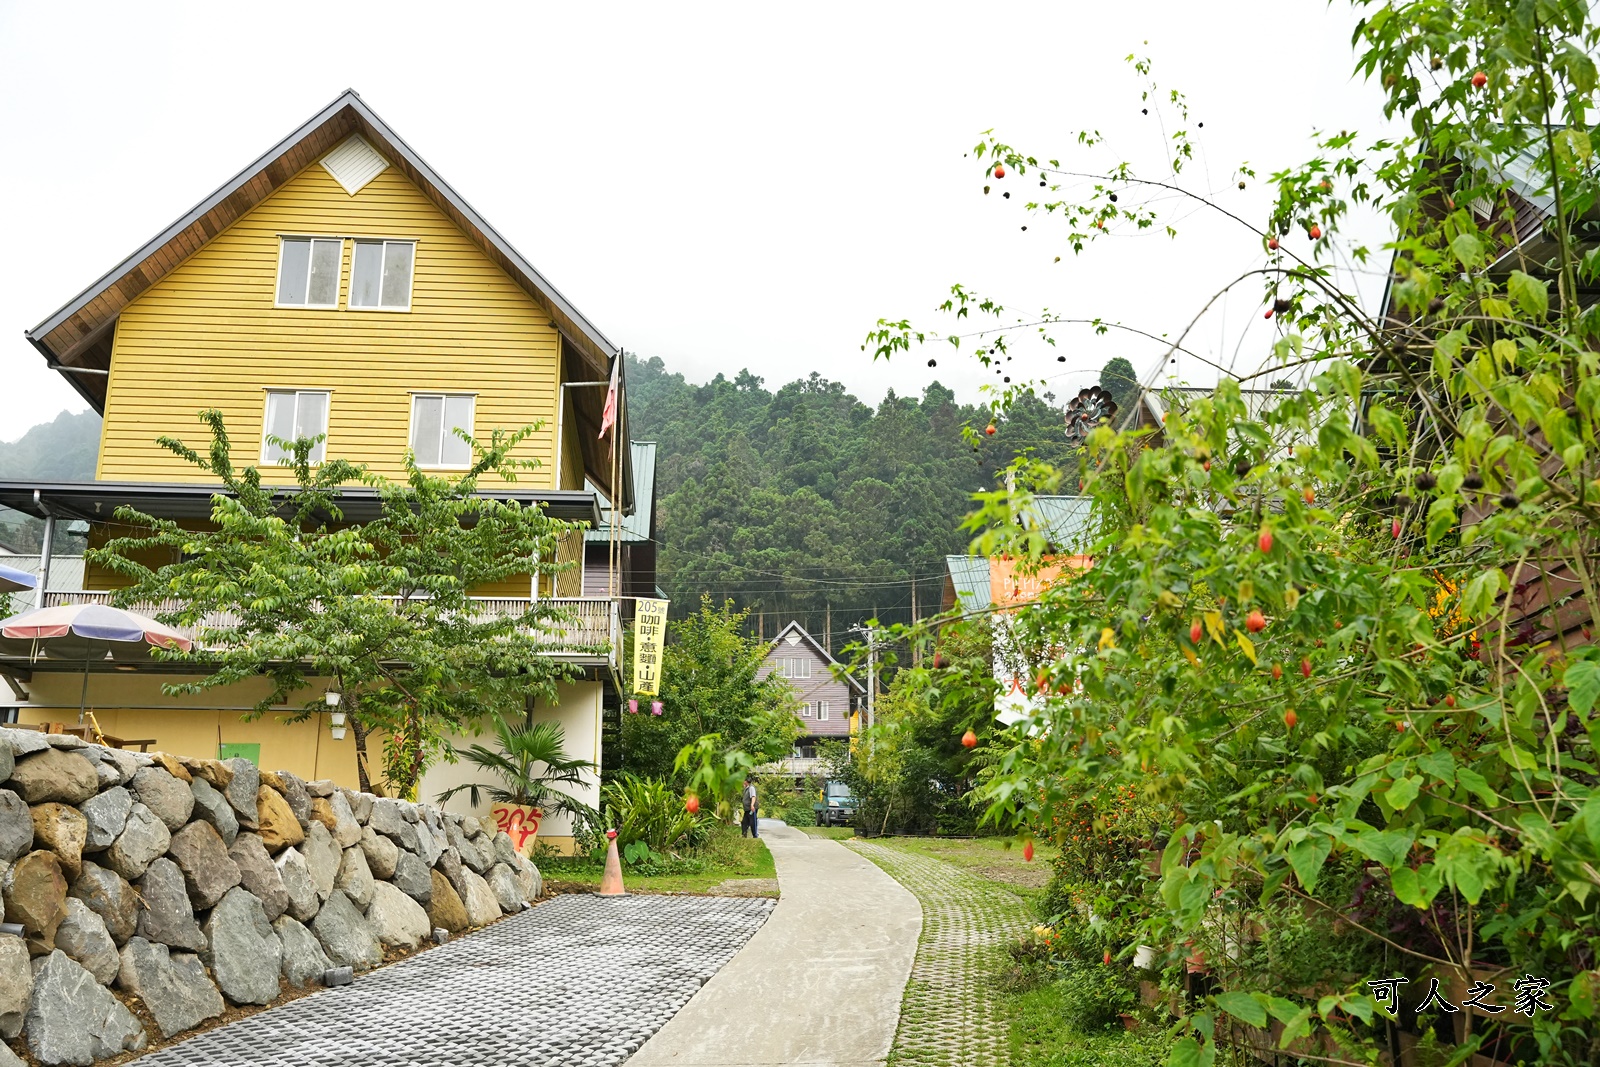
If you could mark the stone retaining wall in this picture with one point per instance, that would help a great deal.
(180, 886)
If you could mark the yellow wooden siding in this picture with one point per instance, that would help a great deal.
(208, 335)
(569, 550)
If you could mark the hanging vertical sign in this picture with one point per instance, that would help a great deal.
(649, 631)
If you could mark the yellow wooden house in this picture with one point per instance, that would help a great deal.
(337, 285)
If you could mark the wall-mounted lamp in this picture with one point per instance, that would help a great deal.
(127, 667)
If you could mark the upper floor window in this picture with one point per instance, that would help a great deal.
(308, 271)
(291, 415)
(795, 668)
(822, 710)
(380, 274)
(435, 418)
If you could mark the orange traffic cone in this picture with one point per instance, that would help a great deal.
(611, 881)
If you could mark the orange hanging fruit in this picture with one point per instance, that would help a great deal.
(1309, 495)
(1255, 622)
(989, 429)
(1277, 672)
(1316, 233)
(692, 804)
(999, 171)
(1305, 667)
(1027, 852)
(1290, 718)
(1272, 243)
(1479, 80)
(969, 739)
(1264, 542)
(1195, 632)
(1106, 959)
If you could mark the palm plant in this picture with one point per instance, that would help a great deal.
(533, 768)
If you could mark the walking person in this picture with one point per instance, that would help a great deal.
(752, 807)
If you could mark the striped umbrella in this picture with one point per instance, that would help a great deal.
(86, 632)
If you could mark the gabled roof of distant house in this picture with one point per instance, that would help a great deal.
(76, 338)
(639, 526)
(811, 642)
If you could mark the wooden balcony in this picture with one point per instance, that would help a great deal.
(589, 623)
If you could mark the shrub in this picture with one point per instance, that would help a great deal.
(773, 794)
(799, 812)
(650, 812)
(1093, 995)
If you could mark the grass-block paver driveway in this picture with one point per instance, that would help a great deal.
(579, 981)
(950, 1016)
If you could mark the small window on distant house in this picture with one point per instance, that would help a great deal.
(822, 710)
(805, 711)
(292, 414)
(308, 271)
(435, 418)
(380, 274)
(797, 668)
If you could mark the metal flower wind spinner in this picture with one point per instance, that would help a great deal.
(1088, 409)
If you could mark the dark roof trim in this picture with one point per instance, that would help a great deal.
(819, 650)
(348, 99)
(98, 501)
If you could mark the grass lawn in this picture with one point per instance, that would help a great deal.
(832, 833)
(994, 859)
(726, 858)
(1041, 1037)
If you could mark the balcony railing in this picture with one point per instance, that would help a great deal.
(589, 621)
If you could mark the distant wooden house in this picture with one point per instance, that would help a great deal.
(828, 694)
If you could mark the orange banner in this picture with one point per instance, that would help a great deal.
(1009, 584)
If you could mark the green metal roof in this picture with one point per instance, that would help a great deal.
(1065, 520)
(970, 576)
(635, 527)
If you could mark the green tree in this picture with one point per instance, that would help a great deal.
(709, 686)
(382, 608)
(1117, 377)
(1328, 649)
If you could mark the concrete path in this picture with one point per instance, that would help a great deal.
(819, 985)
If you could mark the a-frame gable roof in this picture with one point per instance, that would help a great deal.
(77, 338)
(822, 653)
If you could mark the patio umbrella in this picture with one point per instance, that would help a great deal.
(14, 581)
(86, 632)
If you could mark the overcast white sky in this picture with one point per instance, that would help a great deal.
(720, 185)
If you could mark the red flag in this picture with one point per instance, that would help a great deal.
(608, 417)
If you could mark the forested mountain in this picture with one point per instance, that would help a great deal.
(63, 450)
(804, 503)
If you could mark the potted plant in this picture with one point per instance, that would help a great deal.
(535, 774)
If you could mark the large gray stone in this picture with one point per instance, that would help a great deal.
(399, 921)
(355, 878)
(428, 847)
(243, 953)
(83, 936)
(411, 878)
(70, 742)
(144, 837)
(322, 787)
(16, 985)
(125, 764)
(74, 1019)
(346, 936)
(388, 818)
(8, 761)
(241, 791)
(297, 884)
(54, 775)
(172, 985)
(167, 797)
(293, 790)
(211, 807)
(259, 874)
(482, 905)
(322, 858)
(107, 814)
(203, 858)
(507, 890)
(23, 742)
(382, 854)
(530, 879)
(303, 958)
(504, 851)
(466, 849)
(165, 914)
(360, 804)
(109, 896)
(36, 896)
(334, 813)
(450, 864)
(16, 826)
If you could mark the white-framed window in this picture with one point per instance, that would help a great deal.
(380, 274)
(822, 711)
(435, 418)
(805, 710)
(308, 271)
(795, 668)
(292, 414)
